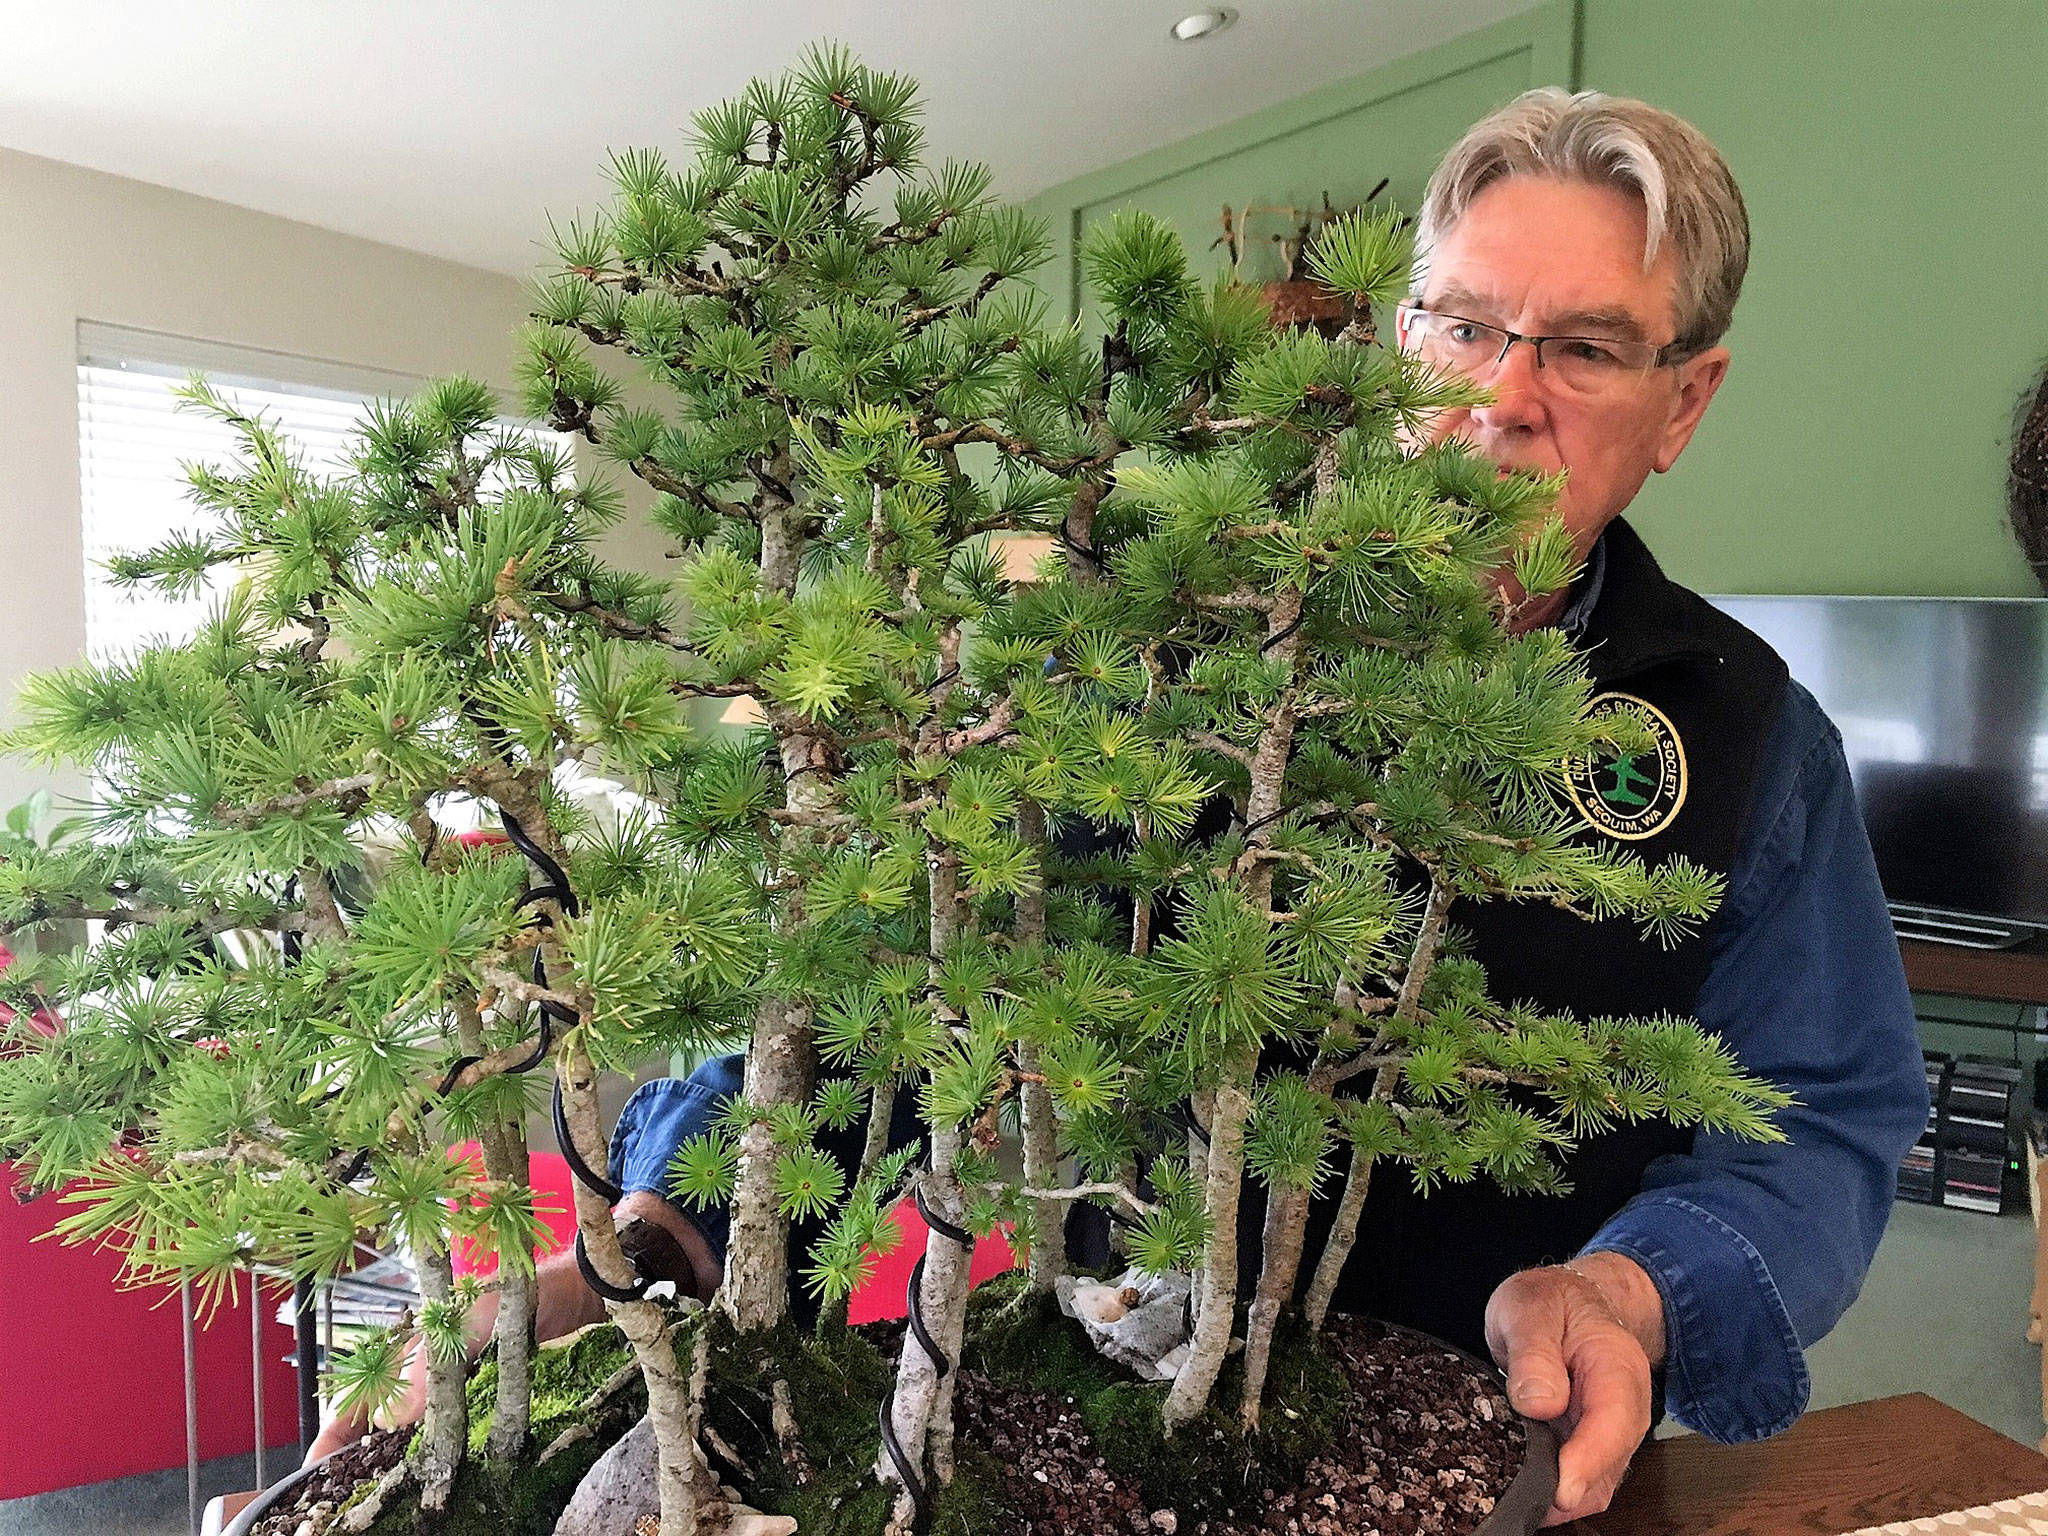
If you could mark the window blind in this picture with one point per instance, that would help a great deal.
(134, 441)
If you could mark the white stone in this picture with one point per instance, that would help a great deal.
(1137, 1320)
(623, 1488)
(1100, 1304)
(623, 1485)
(755, 1524)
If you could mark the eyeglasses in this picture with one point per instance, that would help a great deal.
(1587, 366)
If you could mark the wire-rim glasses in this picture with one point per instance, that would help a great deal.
(1581, 365)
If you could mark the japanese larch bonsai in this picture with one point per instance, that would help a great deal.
(1154, 852)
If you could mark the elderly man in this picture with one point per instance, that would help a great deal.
(1581, 257)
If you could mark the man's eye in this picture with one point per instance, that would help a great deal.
(1593, 353)
(1463, 333)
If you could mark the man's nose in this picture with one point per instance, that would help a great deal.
(1517, 391)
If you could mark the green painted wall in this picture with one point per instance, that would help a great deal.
(1894, 156)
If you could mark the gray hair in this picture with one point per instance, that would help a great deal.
(1689, 196)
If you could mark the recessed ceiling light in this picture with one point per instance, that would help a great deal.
(1202, 24)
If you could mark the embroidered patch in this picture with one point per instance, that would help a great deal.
(1631, 796)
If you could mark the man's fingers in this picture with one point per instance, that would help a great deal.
(1569, 1359)
(1611, 1409)
(1525, 1329)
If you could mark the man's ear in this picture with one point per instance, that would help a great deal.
(1698, 379)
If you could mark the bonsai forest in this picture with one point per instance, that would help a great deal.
(1084, 732)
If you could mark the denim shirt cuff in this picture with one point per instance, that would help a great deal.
(657, 1119)
(1733, 1367)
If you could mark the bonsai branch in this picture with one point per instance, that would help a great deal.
(1244, 597)
(1344, 1230)
(1209, 741)
(345, 795)
(504, 984)
(1075, 1192)
(994, 728)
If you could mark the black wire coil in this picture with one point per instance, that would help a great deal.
(913, 1484)
(558, 890)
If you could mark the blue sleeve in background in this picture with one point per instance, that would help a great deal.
(659, 1117)
(1757, 1248)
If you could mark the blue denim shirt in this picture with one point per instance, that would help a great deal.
(1756, 1248)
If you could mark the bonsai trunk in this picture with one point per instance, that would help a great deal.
(881, 1111)
(1337, 1249)
(1358, 1183)
(1217, 1282)
(512, 1330)
(444, 1431)
(922, 1411)
(781, 1069)
(1048, 1256)
(755, 1293)
(504, 1151)
(1048, 1259)
(1201, 1111)
(1280, 1247)
(1217, 1307)
(644, 1323)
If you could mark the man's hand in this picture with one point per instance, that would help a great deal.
(1577, 1342)
(345, 1429)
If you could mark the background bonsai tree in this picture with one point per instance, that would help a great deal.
(310, 987)
(271, 1050)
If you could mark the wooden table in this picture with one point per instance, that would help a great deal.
(1896, 1458)
(2017, 975)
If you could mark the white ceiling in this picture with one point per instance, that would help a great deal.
(454, 126)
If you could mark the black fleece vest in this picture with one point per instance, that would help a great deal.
(1431, 1261)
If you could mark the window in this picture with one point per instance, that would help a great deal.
(134, 441)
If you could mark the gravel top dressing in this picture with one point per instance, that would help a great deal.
(337, 1481)
(1425, 1446)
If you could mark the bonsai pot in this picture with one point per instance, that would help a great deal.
(1305, 304)
(278, 1492)
(1518, 1510)
(281, 1494)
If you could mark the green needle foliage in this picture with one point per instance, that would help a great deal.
(1176, 826)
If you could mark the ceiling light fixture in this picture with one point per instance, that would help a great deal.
(1202, 24)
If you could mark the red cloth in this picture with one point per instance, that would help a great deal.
(883, 1294)
(92, 1381)
(92, 1377)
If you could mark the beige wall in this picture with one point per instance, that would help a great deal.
(78, 244)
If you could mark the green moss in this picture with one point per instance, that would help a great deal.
(363, 1491)
(973, 1503)
(1017, 1335)
(837, 1378)
(527, 1499)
